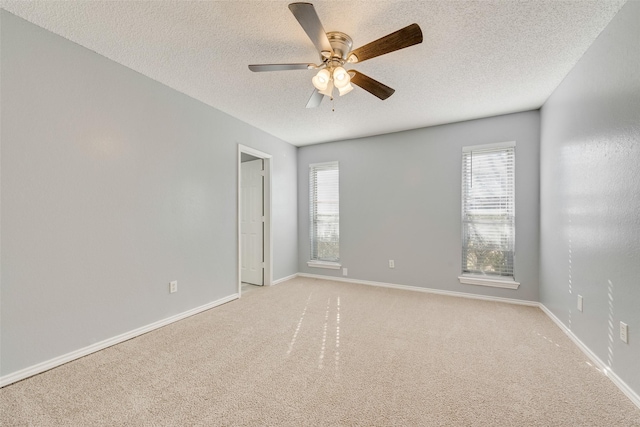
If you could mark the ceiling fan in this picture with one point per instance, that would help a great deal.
(335, 52)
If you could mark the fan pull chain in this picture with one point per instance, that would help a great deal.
(333, 107)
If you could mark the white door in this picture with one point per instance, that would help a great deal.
(251, 225)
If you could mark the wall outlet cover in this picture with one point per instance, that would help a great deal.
(624, 332)
(344, 271)
(173, 286)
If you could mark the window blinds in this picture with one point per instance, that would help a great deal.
(325, 211)
(488, 209)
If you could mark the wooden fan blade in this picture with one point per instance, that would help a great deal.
(278, 67)
(315, 100)
(407, 36)
(372, 86)
(306, 15)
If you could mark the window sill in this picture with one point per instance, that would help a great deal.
(324, 264)
(484, 281)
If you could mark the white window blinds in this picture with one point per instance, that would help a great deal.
(488, 209)
(325, 211)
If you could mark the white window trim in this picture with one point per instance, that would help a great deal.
(496, 145)
(492, 281)
(315, 263)
(335, 162)
(507, 283)
(324, 264)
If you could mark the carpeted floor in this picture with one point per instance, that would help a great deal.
(310, 352)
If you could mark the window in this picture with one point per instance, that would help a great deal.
(324, 214)
(488, 214)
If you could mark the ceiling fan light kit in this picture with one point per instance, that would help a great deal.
(321, 80)
(337, 77)
(335, 51)
(328, 90)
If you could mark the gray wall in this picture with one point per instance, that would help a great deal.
(400, 199)
(590, 196)
(112, 185)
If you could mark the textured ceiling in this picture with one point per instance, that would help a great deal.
(478, 58)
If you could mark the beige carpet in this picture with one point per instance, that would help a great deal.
(310, 352)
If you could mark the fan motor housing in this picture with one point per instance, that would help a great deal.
(341, 44)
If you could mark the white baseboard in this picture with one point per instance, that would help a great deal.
(65, 358)
(419, 289)
(60, 360)
(284, 279)
(632, 395)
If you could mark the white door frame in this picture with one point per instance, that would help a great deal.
(267, 240)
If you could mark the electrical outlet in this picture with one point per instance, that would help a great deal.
(579, 302)
(392, 264)
(173, 286)
(344, 271)
(624, 331)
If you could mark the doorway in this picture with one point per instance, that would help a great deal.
(254, 218)
(251, 219)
